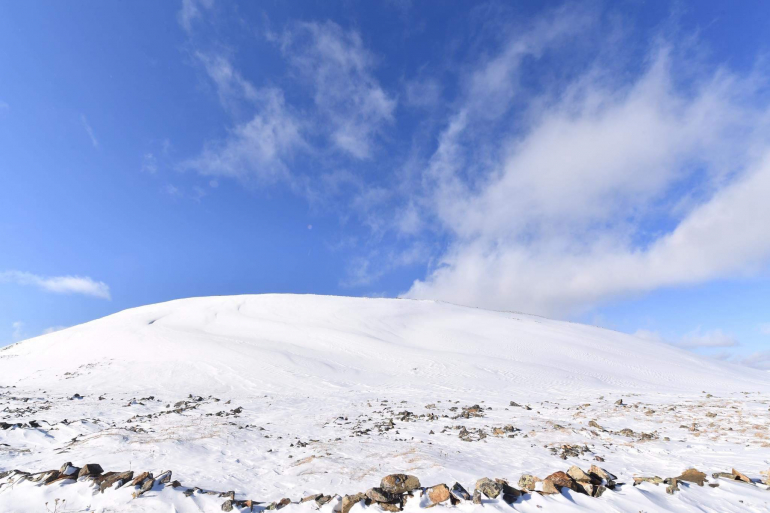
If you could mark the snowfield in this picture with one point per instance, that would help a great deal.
(285, 396)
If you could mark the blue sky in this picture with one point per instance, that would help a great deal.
(603, 162)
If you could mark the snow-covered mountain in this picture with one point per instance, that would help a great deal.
(309, 343)
(286, 395)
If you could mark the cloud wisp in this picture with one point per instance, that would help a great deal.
(89, 131)
(59, 284)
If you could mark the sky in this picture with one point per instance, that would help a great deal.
(598, 162)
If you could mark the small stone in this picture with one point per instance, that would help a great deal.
(313, 497)
(619, 402)
(320, 501)
(673, 486)
(90, 469)
(595, 425)
(227, 505)
(654, 480)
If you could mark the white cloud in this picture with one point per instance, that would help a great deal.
(89, 131)
(59, 284)
(758, 360)
(53, 329)
(714, 338)
(149, 163)
(18, 332)
(553, 217)
(190, 11)
(349, 99)
(256, 149)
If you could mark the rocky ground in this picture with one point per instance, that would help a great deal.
(255, 452)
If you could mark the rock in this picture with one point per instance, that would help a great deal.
(619, 402)
(601, 473)
(438, 494)
(527, 482)
(175, 484)
(109, 479)
(379, 495)
(147, 485)
(90, 469)
(320, 501)
(227, 505)
(460, 493)
(595, 425)
(488, 487)
(654, 480)
(498, 432)
(741, 477)
(549, 487)
(388, 506)
(399, 483)
(599, 490)
(476, 497)
(165, 478)
(138, 480)
(562, 480)
(578, 475)
(283, 503)
(673, 486)
(349, 501)
(69, 469)
(692, 475)
(313, 497)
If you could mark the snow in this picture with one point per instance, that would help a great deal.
(330, 371)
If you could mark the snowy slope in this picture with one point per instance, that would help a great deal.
(330, 372)
(310, 343)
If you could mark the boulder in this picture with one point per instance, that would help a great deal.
(527, 482)
(348, 501)
(562, 480)
(741, 477)
(488, 487)
(578, 475)
(654, 480)
(138, 480)
(380, 495)
(548, 487)
(437, 494)
(399, 483)
(109, 479)
(692, 475)
(313, 497)
(460, 493)
(90, 469)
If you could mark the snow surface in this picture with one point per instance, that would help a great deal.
(330, 372)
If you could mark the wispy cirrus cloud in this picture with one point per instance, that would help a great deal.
(89, 131)
(59, 284)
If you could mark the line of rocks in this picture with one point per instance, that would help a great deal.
(392, 494)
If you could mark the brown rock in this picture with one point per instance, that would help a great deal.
(562, 480)
(109, 479)
(349, 501)
(90, 469)
(692, 475)
(379, 495)
(438, 494)
(313, 497)
(673, 486)
(549, 488)
(138, 480)
(741, 477)
(399, 483)
(578, 475)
